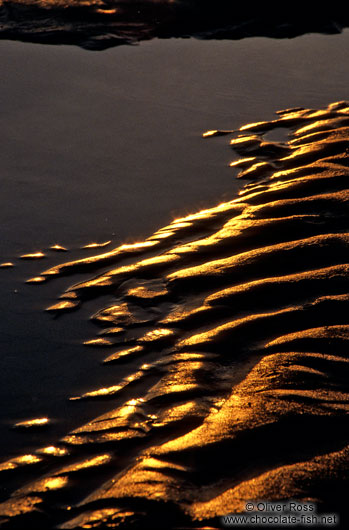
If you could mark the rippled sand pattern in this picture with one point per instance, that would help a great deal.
(233, 323)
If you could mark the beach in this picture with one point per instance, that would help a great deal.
(107, 147)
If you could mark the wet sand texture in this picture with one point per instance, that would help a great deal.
(233, 323)
(98, 24)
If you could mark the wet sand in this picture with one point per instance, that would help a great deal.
(46, 362)
(139, 145)
(232, 325)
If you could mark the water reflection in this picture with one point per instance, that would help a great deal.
(95, 25)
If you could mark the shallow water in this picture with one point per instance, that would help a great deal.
(85, 135)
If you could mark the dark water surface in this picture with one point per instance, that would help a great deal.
(108, 146)
(87, 135)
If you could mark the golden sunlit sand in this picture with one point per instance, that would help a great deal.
(33, 255)
(232, 330)
(97, 245)
(58, 248)
(32, 424)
